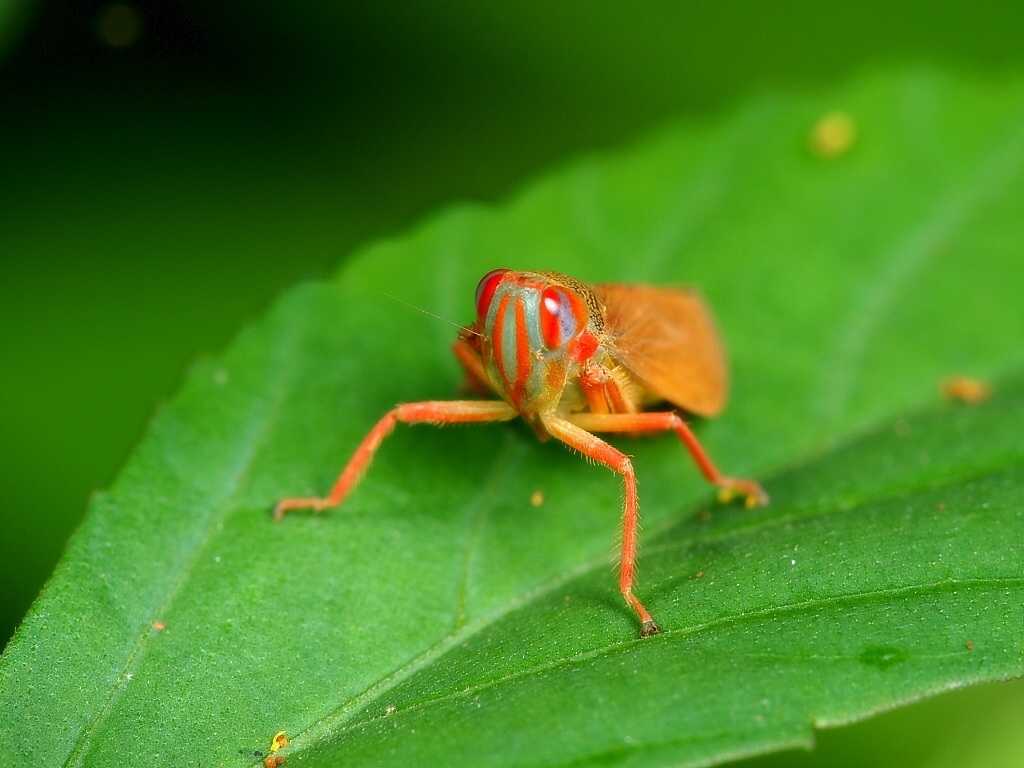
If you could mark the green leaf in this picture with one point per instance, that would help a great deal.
(846, 289)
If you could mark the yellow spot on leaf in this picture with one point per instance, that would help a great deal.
(833, 135)
(965, 389)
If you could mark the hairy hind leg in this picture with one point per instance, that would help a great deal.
(651, 422)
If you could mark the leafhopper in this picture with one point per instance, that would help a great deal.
(573, 359)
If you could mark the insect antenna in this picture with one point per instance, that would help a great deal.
(443, 319)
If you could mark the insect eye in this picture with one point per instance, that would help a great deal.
(558, 321)
(485, 290)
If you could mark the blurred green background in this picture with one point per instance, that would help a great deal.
(167, 167)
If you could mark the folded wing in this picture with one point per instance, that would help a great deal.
(667, 339)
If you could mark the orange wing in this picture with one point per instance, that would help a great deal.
(667, 339)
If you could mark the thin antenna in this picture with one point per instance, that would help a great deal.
(443, 319)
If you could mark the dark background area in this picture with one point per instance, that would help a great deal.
(157, 191)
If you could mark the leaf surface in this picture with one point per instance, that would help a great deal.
(438, 617)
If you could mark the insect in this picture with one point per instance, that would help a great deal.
(572, 359)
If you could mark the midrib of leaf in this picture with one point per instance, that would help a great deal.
(281, 374)
(992, 177)
(346, 717)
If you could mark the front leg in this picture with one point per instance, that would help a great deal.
(433, 412)
(598, 450)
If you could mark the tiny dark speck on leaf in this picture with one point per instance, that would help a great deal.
(970, 645)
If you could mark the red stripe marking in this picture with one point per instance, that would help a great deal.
(485, 291)
(522, 347)
(496, 341)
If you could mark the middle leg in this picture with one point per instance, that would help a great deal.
(431, 412)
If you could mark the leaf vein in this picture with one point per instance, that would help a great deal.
(323, 727)
(798, 607)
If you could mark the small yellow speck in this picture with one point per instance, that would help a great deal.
(390, 710)
(965, 389)
(537, 498)
(278, 741)
(833, 135)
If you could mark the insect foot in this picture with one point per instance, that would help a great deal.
(730, 488)
(286, 505)
(649, 628)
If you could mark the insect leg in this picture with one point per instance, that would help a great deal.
(473, 366)
(600, 451)
(593, 381)
(651, 422)
(432, 412)
(603, 391)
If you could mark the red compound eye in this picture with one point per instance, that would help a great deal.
(557, 321)
(485, 291)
